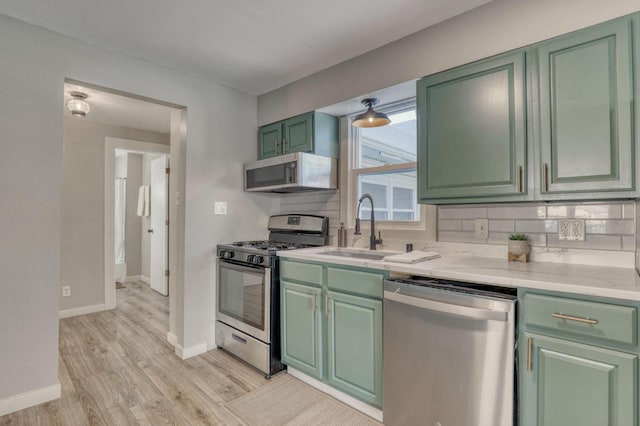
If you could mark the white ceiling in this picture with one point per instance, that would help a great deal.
(116, 110)
(253, 45)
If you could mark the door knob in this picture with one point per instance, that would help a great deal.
(150, 231)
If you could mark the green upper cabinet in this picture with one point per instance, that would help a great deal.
(301, 325)
(312, 132)
(586, 92)
(354, 346)
(472, 132)
(568, 383)
(270, 138)
(298, 134)
(553, 121)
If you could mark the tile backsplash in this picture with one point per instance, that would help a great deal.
(608, 226)
(324, 203)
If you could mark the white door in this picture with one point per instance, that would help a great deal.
(158, 230)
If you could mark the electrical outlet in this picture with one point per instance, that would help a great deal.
(571, 230)
(220, 207)
(66, 291)
(482, 228)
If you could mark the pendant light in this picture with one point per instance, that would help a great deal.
(370, 118)
(77, 105)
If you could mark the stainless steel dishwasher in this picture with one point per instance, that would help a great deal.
(449, 353)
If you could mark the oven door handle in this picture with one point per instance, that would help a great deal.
(241, 268)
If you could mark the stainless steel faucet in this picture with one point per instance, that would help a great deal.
(372, 238)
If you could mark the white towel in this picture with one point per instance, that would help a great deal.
(140, 210)
(147, 200)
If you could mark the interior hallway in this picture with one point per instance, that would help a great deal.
(117, 368)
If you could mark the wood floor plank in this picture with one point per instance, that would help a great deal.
(117, 368)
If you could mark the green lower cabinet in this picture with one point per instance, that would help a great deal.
(568, 383)
(301, 325)
(354, 346)
(331, 325)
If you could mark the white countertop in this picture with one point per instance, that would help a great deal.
(602, 281)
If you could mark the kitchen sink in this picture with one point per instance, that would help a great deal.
(369, 255)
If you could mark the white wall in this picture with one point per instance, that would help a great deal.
(82, 243)
(220, 137)
(496, 27)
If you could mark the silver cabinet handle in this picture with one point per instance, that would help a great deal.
(519, 179)
(284, 146)
(586, 320)
(545, 177)
(448, 308)
(529, 350)
(326, 304)
(314, 304)
(277, 147)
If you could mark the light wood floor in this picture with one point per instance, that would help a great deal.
(117, 368)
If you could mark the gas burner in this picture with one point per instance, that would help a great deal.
(256, 244)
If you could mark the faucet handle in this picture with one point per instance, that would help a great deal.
(379, 240)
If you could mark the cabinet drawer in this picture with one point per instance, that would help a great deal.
(578, 317)
(298, 271)
(355, 282)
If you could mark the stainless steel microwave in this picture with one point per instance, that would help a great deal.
(295, 172)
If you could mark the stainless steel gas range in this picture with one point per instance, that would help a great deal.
(248, 305)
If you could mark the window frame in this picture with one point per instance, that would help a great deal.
(351, 138)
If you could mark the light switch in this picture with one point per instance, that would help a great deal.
(220, 207)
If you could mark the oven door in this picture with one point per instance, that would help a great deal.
(244, 298)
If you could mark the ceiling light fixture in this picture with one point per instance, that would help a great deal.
(77, 105)
(370, 118)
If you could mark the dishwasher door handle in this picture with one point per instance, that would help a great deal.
(448, 308)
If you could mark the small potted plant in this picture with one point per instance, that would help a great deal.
(518, 248)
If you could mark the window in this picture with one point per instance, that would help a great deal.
(384, 166)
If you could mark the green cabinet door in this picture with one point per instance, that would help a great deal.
(472, 134)
(269, 140)
(298, 133)
(354, 346)
(586, 91)
(568, 383)
(301, 328)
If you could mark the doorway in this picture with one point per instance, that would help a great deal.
(141, 216)
(139, 128)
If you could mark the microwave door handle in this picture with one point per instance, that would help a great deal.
(290, 173)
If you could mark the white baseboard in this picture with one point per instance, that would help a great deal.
(191, 351)
(82, 311)
(172, 338)
(340, 396)
(142, 278)
(29, 399)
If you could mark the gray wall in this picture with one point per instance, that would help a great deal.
(133, 225)
(82, 244)
(220, 138)
(493, 28)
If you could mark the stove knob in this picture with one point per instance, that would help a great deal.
(231, 255)
(250, 258)
(258, 260)
(221, 254)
